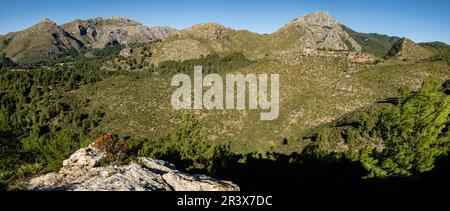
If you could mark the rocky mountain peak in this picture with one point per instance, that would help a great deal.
(162, 32)
(47, 20)
(46, 38)
(207, 26)
(43, 24)
(124, 21)
(319, 18)
(98, 32)
(37, 42)
(208, 31)
(319, 31)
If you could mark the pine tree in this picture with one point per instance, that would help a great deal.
(323, 142)
(413, 134)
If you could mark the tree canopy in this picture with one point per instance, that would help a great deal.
(415, 133)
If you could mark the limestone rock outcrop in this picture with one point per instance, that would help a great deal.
(82, 172)
(99, 32)
(318, 31)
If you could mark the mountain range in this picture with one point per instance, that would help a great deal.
(318, 31)
(313, 34)
(47, 38)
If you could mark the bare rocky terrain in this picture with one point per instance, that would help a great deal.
(82, 172)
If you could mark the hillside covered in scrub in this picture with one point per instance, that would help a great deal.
(357, 110)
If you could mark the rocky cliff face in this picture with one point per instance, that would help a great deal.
(82, 172)
(318, 31)
(99, 33)
(47, 38)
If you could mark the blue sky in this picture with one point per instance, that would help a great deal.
(419, 20)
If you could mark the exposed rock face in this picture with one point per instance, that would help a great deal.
(47, 38)
(207, 31)
(320, 31)
(81, 172)
(98, 32)
(316, 34)
(162, 32)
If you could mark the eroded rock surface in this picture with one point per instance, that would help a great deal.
(81, 172)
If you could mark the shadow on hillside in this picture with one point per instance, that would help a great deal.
(291, 172)
(306, 173)
(390, 100)
(436, 180)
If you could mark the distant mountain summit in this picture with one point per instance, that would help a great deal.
(207, 31)
(306, 35)
(99, 33)
(203, 39)
(37, 42)
(318, 31)
(315, 34)
(47, 38)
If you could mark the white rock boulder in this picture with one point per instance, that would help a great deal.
(81, 172)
